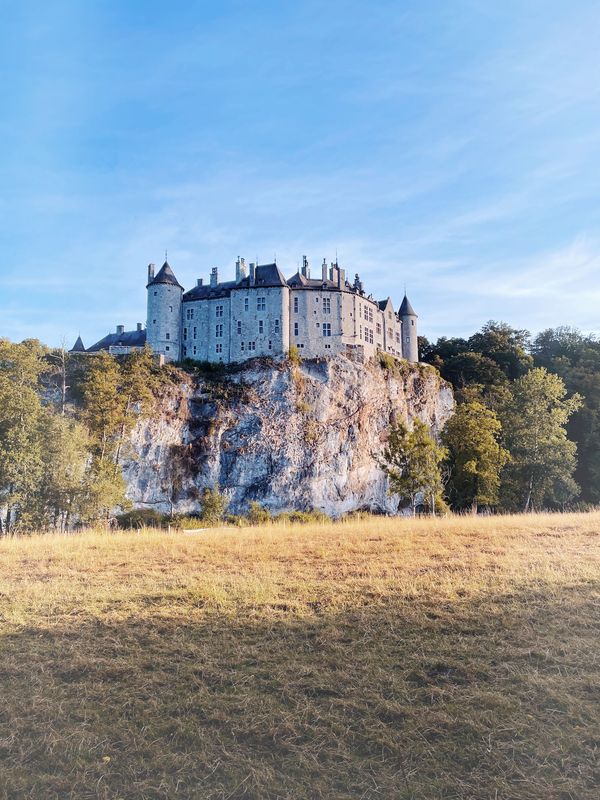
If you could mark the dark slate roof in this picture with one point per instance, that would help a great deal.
(206, 291)
(406, 309)
(78, 347)
(383, 304)
(298, 280)
(165, 275)
(266, 275)
(126, 339)
(269, 275)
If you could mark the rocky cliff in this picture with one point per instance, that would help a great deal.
(288, 436)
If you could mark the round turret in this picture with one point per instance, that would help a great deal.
(410, 341)
(163, 326)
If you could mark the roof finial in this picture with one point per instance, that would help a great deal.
(166, 258)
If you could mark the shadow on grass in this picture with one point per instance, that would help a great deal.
(494, 698)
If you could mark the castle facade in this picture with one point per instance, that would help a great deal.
(261, 313)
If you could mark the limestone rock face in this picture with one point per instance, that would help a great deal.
(290, 437)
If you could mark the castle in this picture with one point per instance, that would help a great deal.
(260, 313)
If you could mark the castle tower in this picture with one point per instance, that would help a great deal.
(410, 343)
(163, 326)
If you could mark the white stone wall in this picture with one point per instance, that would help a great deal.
(410, 343)
(259, 322)
(194, 321)
(316, 322)
(163, 325)
(266, 321)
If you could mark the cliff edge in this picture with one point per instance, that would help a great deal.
(289, 436)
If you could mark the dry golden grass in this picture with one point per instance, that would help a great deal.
(453, 658)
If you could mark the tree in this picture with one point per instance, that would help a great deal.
(411, 460)
(505, 345)
(56, 497)
(475, 456)
(576, 358)
(542, 459)
(20, 411)
(214, 506)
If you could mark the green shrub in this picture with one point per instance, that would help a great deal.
(258, 515)
(386, 361)
(294, 356)
(143, 518)
(214, 506)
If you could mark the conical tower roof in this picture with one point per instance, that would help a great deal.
(406, 310)
(165, 275)
(78, 347)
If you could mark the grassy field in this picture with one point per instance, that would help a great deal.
(453, 658)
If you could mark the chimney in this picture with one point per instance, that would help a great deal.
(200, 281)
(139, 326)
(150, 272)
(334, 274)
(341, 278)
(240, 270)
(324, 270)
(305, 267)
(120, 329)
(214, 277)
(252, 273)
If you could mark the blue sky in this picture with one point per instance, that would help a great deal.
(451, 146)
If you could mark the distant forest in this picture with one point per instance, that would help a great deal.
(487, 365)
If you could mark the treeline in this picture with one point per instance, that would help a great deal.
(526, 432)
(64, 422)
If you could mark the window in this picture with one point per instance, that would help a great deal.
(219, 331)
(239, 327)
(242, 347)
(361, 333)
(276, 326)
(270, 345)
(296, 326)
(167, 335)
(412, 322)
(246, 304)
(407, 339)
(195, 332)
(155, 293)
(154, 322)
(195, 349)
(378, 329)
(327, 305)
(167, 348)
(295, 305)
(184, 334)
(261, 326)
(398, 338)
(219, 348)
(261, 303)
(369, 314)
(327, 329)
(219, 311)
(251, 345)
(170, 308)
(189, 314)
(370, 335)
(185, 351)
